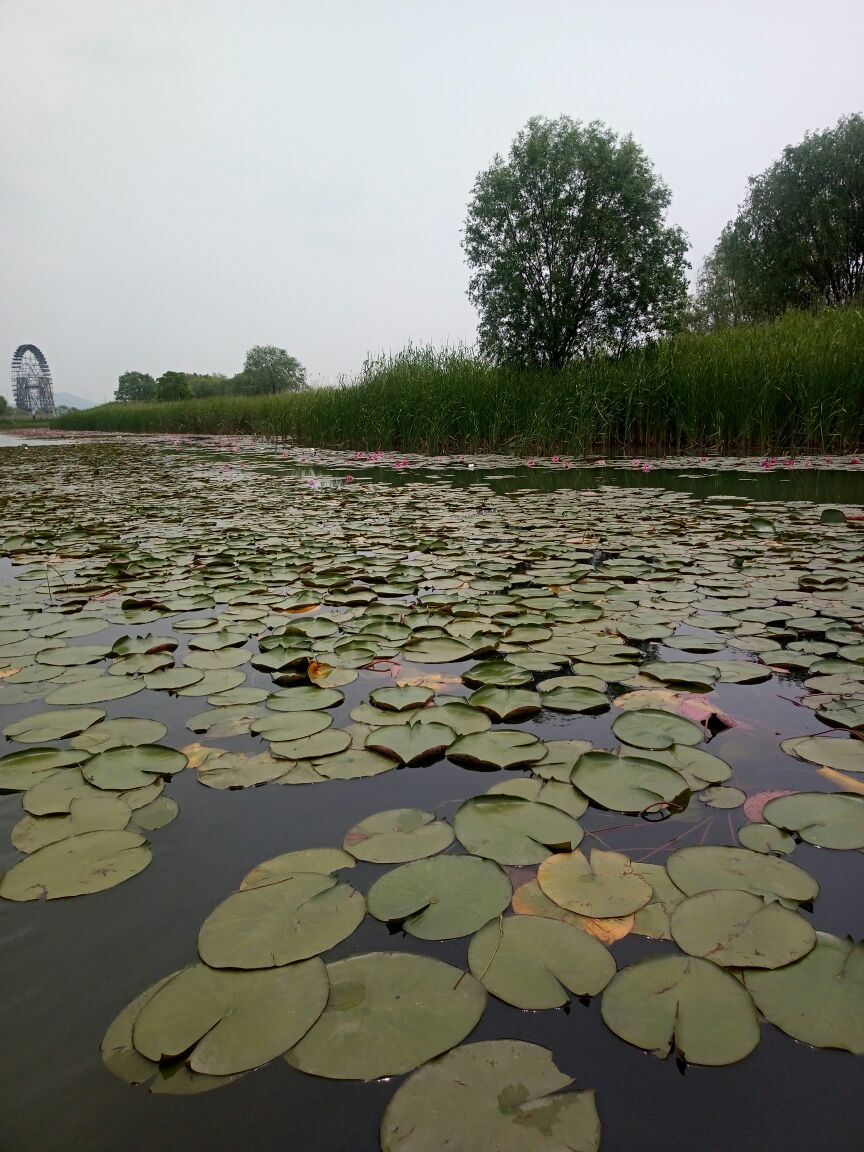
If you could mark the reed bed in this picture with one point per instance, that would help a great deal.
(796, 384)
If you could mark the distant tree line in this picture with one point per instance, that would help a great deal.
(267, 369)
(571, 254)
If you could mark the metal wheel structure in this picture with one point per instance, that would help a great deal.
(32, 386)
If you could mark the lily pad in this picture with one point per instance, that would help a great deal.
(320, 861)
(826, 819)
(495, 1096)
(237, 770)
(765, 838)
(329, 743)
(121, 768)
(388, 1013)
(89, 814)
(280, 923)
(830, 751)
(398, 835)
(124, 730)
(723, 797)
(506, 703)
(739, 930)
(231, 1021)
(536, 962)
(89, 862)
(306, 697)
(19, 771)
(354, 764)
(411, 744)
(682, 1003)
(442, 898)
(96, 691)
(410, 696)
(655, 729)
(819, 1000)
(603, 886)
(512, 830)
(709, 866)
(530, 900)
(54, 725)
(627, 783)
(156, 814)
(499, 748)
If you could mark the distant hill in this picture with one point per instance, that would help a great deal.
(68, 400)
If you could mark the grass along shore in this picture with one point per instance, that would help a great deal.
(794, 385)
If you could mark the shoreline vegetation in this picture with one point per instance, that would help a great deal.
(790, 385)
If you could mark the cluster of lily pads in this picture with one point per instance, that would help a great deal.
(464, 616)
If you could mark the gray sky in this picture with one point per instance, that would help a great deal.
(182, 179)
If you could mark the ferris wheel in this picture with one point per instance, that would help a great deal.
(31, 380)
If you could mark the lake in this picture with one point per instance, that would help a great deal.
(177, 580)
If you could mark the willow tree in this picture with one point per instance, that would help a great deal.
(569, 249)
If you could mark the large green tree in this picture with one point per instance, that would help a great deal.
(798, 238)
(270, 369)
(135, 386)
(172, 386)
(568, 246)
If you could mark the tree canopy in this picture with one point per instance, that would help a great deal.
(569, 249)
(135, 387)
(172, 386)
(271, 369)
(798, 238)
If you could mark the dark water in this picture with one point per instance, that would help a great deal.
(69, 966)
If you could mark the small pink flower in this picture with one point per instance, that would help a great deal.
(556, 459)
(854, 460)
(349, 479)
(646, 467)
(530, 462)
(600, 463)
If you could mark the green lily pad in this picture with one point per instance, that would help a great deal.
(709, 866)
(627, 783)
(688, 672)
(121, 768)
(119, 1054)
(438, 651)
(603, 886)
(575, 699)
(411, 743)
(560, 759)
(497, 673)
(157, 813)
(505, 703)
(19, 771)
(221, 723)
(829, 751)
(55, 725)
(409, 696)
(213, 682)
(826, 819)
(305, 698)
(653, 920)
(89, 862)
(555, 793)
(320, 861)
(217, 661)
(96, 691)
(495, 1096)
(388, 1013)
(739, 930)
(354, 764)
(74, 655)
(511, 830)
(532, 962)
(682, 1003)
(237, 770)
(280, 923)
(284, 726)
(454, 714)
(654, 729)
(765, 838)
(723, 797)
(818, 1000)
(329, 743)
(172, 679)
(398, 835)
(231, 1021)
(89, 814)
(124, 730)
(442, 898)
(499, 748)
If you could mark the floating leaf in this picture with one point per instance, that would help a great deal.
(399, 699)
(530, 900)
(304, 698)
(765, 838)
(398, 835)
(500, 748)
(237, 770)
(505, 703)
(388, 1013)
(280, 923)
(739, 930)
(411, 744)
(90, 862)
(157, 813)
(534, 962)
(321, 861)
(511, 830)
(819, 1000)
(829, 751)
(353, 764)
(681, 1003)
(826, 819)
(441, 898)
(653, 729)
(493, 1096)
(46, 726)
(231, 1021)
(89, 814)
(498, 673)
(723, 797)
(19, 771)
(605, 886)
(628, 784)
(328, 743)
(708, 866)
(124, 730)
(121, 768)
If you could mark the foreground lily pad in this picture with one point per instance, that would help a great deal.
(830, 751)
(495, 1096)
(124, 730)
(442, 898)
(628, 783)
(739, 930)
(19, 771)
(765, 838)
(89, 814)
(121, 768)
(411, 743)
(54, 725)
(90, 862)
(398, 835)
(321, 861)
(708, 866)
(388, 1013)
(511, 830)
(280, 923)
(826, 819)
(534, 962)
(681, 1003)
(652, 728)
(499, 748)
(529, 899)
(604, 886)
(819, 1000)
(231, 1021)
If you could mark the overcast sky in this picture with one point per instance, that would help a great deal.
(182, 179)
